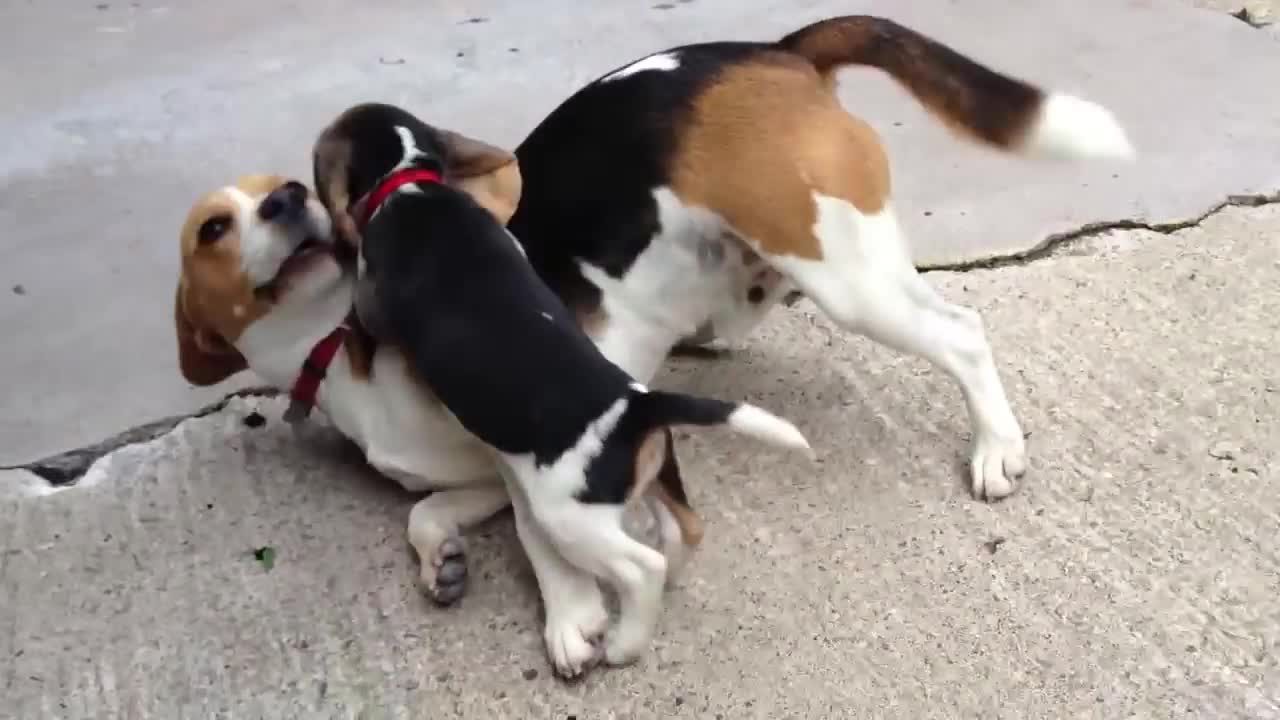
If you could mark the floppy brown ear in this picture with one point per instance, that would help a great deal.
(489, 174)
(331, 161)
(203, 356)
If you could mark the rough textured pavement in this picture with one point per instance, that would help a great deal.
(1137, 573)
(122, 115)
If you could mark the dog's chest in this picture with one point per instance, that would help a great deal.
(696, 271)
(405, 433)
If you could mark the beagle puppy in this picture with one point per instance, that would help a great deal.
(574, 436)
(680, 197)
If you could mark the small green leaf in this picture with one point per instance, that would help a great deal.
(265, 555)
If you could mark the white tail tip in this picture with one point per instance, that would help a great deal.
(1072, 128)
(751, 420)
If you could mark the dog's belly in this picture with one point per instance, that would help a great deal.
(408, 435)
(428, 465)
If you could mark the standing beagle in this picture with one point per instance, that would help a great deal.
(574, 436)
(685, 194)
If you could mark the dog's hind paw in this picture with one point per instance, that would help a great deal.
(444, 575)
(573, 652)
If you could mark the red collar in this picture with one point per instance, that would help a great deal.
(302, 397)
(389, 184)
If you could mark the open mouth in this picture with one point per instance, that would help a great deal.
(302, 256)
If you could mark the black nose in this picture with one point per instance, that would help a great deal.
(284, 203)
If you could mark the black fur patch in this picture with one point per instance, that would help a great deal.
(590, 168)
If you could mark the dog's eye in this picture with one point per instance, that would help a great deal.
(213, 229)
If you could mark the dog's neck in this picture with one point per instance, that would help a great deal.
(277, 345)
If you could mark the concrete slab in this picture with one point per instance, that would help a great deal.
(121, 112)
(1136, 575)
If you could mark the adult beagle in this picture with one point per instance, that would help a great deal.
(575, 438)
(685, 194)
(262, 285)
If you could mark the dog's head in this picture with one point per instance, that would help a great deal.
(245, 248)
(369, 141)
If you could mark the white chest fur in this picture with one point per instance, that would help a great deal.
(403, 432)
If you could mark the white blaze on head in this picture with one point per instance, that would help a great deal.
(409, 146)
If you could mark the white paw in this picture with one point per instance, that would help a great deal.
(625, 645)
(574, 633)
(573, 650)
(631, 636)
(997, 464)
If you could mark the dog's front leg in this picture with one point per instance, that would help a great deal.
(435, 523)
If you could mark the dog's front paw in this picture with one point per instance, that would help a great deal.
(444, 572)
(998, 462)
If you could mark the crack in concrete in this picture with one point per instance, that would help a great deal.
(1064, 243)
(66, 468)
(1257, 19)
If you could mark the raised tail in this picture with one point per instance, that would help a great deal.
(970, 98)
(656, 408)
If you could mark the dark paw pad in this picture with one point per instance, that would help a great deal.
(450, 564)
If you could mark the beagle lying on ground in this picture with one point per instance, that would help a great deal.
(261, 286)
(685, 194)
(575, 437)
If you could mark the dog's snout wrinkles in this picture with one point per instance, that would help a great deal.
(284, 203)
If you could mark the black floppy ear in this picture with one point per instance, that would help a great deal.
(489, 174)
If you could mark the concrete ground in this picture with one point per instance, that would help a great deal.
(1136, 574)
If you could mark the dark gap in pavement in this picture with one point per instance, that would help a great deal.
(1059, 244)
(66, 468)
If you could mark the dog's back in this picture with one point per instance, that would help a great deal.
(749, 131)
(506, 356)
(492, 340)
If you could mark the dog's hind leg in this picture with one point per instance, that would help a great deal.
(434, 529)
(865, 280)
(576, 618)
(680, 529)
(591, 537)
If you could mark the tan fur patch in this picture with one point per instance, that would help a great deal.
(204, 358)
(497, 191)
(690, 523)
(649, 456)
(765, 137)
